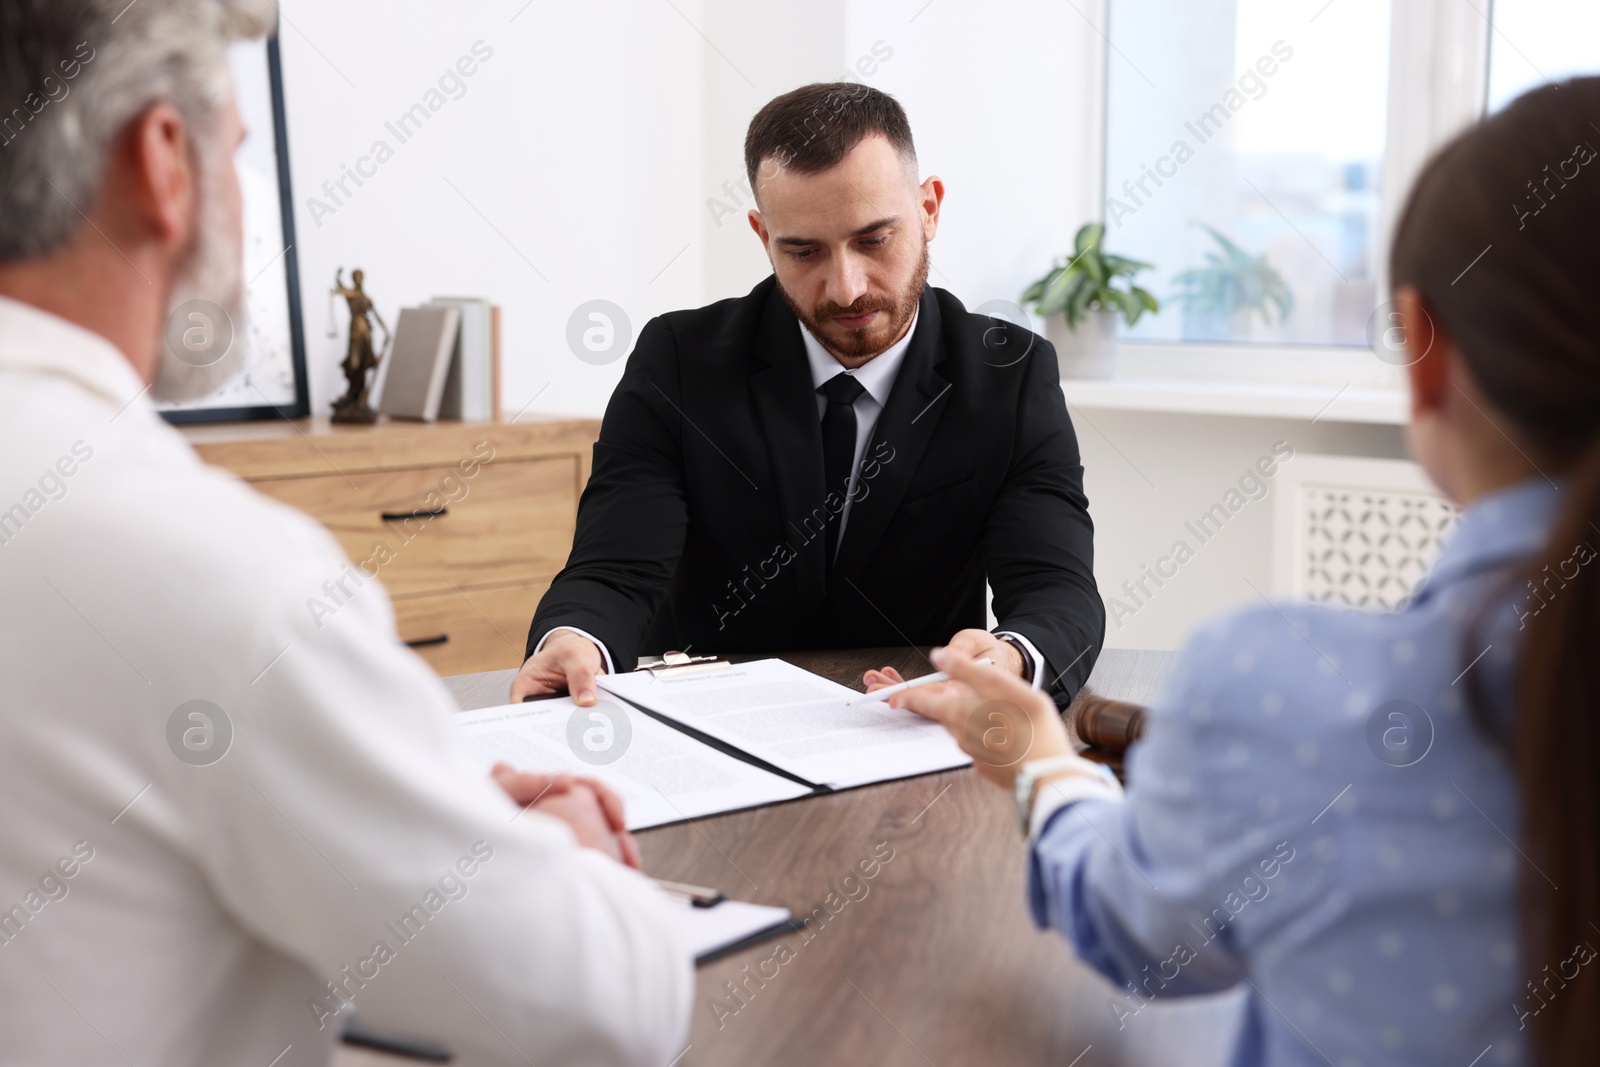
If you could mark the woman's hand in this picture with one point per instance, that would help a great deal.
(996, 717)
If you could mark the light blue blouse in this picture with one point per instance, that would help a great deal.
(1314, 811)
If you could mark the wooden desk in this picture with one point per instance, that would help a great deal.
(937, 962)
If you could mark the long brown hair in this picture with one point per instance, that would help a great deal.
(1501, 236)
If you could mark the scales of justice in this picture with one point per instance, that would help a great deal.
(361, 359)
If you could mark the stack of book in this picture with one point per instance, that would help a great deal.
(445, 362)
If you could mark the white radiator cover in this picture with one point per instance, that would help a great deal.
(1357, 532)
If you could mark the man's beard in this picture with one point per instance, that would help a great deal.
(869, 341)
(212, 278)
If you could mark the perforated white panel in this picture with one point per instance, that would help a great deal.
(1369, 549)
(1359, 532)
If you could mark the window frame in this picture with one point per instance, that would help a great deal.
(1438, 84)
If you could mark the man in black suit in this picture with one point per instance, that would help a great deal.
(839, 458)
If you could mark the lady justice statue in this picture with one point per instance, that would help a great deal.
(360, 359)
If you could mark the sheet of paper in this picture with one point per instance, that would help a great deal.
(797, 721)
(708, 931)
(662, 775)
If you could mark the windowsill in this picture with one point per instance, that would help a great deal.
(1266, 400)
(1318, 384)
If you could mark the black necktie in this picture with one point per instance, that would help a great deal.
(838, 447)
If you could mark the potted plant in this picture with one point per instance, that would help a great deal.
(1080, 300)
(1219, 297)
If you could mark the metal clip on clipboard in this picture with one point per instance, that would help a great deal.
(677, 664)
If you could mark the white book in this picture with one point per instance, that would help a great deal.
(469, 387)
(662, 775)
(424, 338)
(796, 721)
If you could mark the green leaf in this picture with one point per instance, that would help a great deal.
(1033, 292)
(1231, 280)
(1132, 307)
(1078, 304)
(1122, 265)
(1088, 280)
(1054, 299)
(1089, 236)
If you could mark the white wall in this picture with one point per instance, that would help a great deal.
(966, 74)
(998, 94)
(1147, 474)
(587, 152)
(579, 142)
(761, 51)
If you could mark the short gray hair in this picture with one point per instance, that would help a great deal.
(74, 73)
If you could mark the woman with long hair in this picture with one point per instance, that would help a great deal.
(1388, 825)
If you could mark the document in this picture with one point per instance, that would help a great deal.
(796, 721)
(663, 776)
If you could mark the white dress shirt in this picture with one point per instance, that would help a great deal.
(209, 902)
(877, 377)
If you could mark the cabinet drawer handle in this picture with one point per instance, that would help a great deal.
(426, 642)
(416, 513)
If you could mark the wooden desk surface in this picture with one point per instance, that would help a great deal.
(932, 961)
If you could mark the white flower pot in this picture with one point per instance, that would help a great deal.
(1090, 351)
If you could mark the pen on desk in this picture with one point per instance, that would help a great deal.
(879, 695)
(700, 896)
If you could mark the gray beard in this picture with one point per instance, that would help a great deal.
(214, 274)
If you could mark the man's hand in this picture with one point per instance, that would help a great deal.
(879, 679)
(591, 809)
(981, 644)
(996, 718)
(973, 644)
(567, 661)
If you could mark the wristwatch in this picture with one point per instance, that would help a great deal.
(1027, 657)
(1031, 771)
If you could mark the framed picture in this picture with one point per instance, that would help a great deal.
(272, 383)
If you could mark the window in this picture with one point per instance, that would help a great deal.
(1536, 41)
(1244, 147)
(1257, 153)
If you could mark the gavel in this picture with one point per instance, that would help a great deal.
(1109, 725)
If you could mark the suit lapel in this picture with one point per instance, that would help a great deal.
(916, 402)
(785, 401)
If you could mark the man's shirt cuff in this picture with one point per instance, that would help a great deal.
(604, 652)
(1032, 653)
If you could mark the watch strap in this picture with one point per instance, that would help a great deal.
(1088, 779)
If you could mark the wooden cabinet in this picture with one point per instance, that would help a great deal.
(464, 523)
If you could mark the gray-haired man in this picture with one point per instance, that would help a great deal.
(225, 824)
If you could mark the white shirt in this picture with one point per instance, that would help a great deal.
(877, 377)
(208, 905)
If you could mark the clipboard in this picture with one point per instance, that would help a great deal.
(734, 928)
(676, 664)
(777, 929)
(729, 926)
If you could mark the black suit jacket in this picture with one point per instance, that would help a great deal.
(703, 523)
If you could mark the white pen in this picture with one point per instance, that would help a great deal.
(878, 695)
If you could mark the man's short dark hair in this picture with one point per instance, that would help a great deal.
(813, 128)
